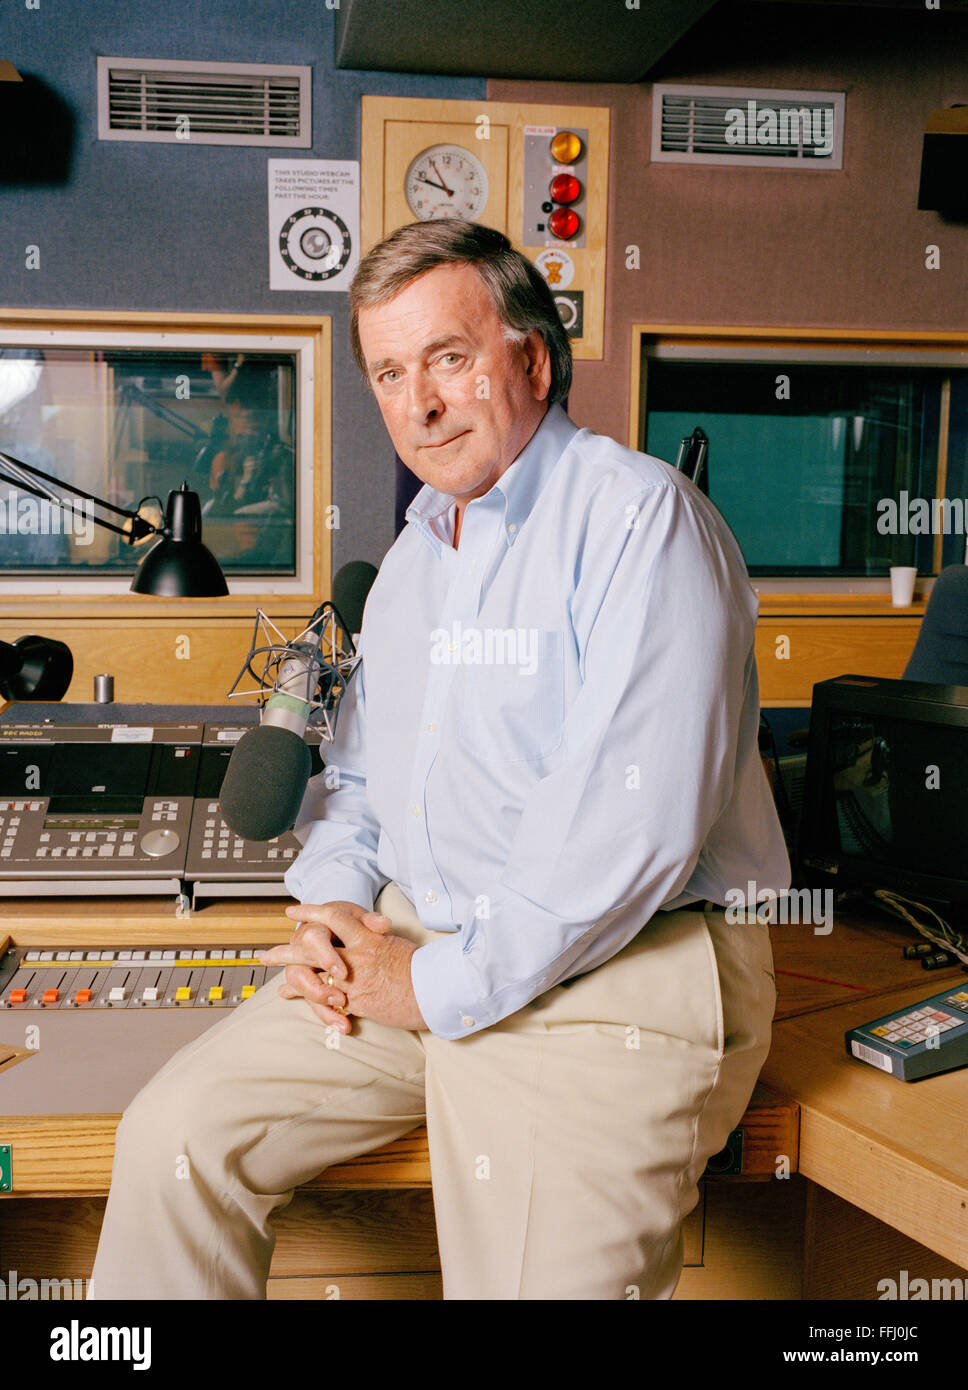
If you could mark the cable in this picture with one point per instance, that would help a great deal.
(943, 936)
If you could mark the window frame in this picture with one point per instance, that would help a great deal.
(699, 343)
(309, 337)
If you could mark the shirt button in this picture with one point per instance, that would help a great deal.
(430, 897)
(467, 1021)
(452, 646)
(415, 810)
(431, 728)
(512, 528)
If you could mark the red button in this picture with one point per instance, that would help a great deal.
(563, 223)
(17, 996)
(50, 996)
(83, 996)
(565, 188)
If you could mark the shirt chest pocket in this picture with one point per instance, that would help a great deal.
(512, 707)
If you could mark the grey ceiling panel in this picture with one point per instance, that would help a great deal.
(553, 40)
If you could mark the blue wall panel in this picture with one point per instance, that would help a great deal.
(183, 226)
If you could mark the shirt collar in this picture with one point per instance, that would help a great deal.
(519, 485)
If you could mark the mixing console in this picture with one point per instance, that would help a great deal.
(135, 977)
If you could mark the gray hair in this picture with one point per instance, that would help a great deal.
(518, 290)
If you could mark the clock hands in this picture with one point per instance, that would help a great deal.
(421, 178)
(448, 191)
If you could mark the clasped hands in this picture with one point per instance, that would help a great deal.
(370, 966)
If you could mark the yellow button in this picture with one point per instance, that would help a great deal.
(565, 147)
(248, 991)
(880, 1032)
(183, 992)
(215, 992)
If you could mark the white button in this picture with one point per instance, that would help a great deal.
(430, 897)
(431, 728)
(452, 646)
(150, 994)
(116, 994)
(512, 528)
(415, 810)
(467, 1021)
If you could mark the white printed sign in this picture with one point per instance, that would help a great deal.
(314, 223)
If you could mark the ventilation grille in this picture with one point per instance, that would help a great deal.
(204, 103)
(737, 125)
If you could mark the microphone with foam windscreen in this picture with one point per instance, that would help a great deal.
(300, 682)
(351, 585)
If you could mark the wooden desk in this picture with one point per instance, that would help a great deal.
(893, 1150)
(897, 1150)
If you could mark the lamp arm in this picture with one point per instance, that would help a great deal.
(139, 526)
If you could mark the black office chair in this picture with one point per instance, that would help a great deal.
(941, 651)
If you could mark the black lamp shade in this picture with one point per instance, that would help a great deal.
(178, 565)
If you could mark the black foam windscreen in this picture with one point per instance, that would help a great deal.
(11, 662)
(265, 782)
(351, 584)
(45, 673)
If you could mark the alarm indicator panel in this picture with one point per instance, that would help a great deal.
(554, 212)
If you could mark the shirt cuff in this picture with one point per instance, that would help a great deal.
(332, 884)
(441, 980)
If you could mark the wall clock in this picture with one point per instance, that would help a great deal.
(446, 181)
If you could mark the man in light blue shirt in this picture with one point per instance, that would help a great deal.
(545, 776)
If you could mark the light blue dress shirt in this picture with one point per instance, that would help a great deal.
(553, 731)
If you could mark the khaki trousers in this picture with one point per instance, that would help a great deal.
(566, 1141)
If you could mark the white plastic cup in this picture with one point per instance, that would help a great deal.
(902, 585)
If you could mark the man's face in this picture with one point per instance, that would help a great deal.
(459, 400)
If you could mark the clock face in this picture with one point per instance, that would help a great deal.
(446, 181)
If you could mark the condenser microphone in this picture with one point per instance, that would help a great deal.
(301, 681)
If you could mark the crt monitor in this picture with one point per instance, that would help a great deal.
(886, 792)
